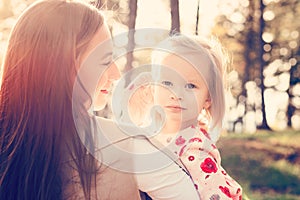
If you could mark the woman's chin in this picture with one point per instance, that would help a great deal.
(100, 102)
(98, 107)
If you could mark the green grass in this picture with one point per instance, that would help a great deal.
(266, 164)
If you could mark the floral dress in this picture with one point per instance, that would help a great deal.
(201, 158)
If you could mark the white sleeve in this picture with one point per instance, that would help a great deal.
(170, 183)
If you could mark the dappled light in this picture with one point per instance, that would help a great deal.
(268, 15)
(268, 37)
(276, 103)
(237, 17)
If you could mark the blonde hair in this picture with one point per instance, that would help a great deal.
(198, 50)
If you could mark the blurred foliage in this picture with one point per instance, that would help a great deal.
(241, 26)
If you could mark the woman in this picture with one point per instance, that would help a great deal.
(41, 154)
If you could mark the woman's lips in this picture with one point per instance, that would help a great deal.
(104, 91)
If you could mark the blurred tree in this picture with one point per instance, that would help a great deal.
(262, 63)
(249, 50)
(197, 17)
(238, 29)
(99, 3)
(175, 17)
(292, 56)
(282, 53)
(265, 56)
(249, 29)
(131, 26)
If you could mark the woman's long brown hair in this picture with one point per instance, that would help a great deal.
(37, 130)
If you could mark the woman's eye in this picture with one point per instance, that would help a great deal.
(167, 83)
(107, 63)
(190, 86)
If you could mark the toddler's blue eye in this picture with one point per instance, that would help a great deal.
(190, 86)
(167, 83)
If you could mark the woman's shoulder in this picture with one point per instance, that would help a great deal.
(118, 127)
(111, 130)
(110, 185)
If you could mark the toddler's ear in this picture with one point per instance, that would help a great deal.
(152, 88)
(207, 103)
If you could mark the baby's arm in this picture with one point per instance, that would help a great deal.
(202, 160)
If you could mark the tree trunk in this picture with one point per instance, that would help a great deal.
(131, 32)
(100, 4)
(249, 47)
(197, 18)
(175, 20)
(264, 124)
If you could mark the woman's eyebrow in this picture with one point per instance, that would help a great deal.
(108, 54)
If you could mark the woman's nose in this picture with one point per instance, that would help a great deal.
(113, 72)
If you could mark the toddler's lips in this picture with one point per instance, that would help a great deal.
(178, 108)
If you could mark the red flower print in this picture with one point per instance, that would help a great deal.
(213, 146)
(181, 150)
(228, 183)
(195, 140)
(209, 166)
(180, 141)
(192, 126)
(225, 190)
(191, 158)
(223, 172)
(205, 133)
